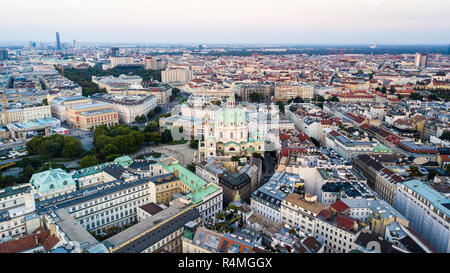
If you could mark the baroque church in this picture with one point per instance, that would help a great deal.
(228, 134)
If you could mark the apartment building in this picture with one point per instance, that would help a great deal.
(17, 211)
(244, 91)
(339, 232)
(24, 114)
(207, 197)
(176, 76)
(159, 232)
(378, 213)
(128, 107)
(301, 212)
(197, 239)
(428, 212)
(98, 174)
(287, 92)
(122, 60)
(103, 206)
(267, 199)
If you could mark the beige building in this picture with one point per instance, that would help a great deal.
(288, 92)
(58, 105)
(128, 107)
(123, 60)
(181, 76)
(301, 212)
(162, 95)
(23, 114)
(92, 115)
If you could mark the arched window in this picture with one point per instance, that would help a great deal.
(52, 186)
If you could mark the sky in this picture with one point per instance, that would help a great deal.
(228, 21)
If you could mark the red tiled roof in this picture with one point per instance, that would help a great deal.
(40, 237)
(326, 122)
(325, 213)
(344, 222)
(339, 206)
(283, 136)
(334, 133)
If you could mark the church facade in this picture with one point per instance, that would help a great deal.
(228, 134)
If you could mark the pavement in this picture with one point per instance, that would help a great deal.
(86, 138)
(182, 152)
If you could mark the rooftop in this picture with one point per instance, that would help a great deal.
(437, 199)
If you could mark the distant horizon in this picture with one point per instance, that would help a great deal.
(266, 44)
(398, 22)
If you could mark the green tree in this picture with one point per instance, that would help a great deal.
(280, 106)
(415, 96)
(72, 147)
(151, 127)
(445, 136)
(89, 160)
(166, 136)
(150, 114)
(256, 97)
(109, 150)
(193, 144)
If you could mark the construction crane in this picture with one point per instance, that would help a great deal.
(5, 108)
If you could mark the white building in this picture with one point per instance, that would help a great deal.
(301, 212)
(128, 107)
(428, 212)
(115, 61)
(17, 208)
(24, 114)
(180, 76)
(339, 232)
(267, 199)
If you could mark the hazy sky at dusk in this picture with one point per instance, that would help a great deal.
(230, 21)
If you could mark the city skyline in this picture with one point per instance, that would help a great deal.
(287, 22)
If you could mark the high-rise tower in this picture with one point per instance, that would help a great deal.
(58, 42)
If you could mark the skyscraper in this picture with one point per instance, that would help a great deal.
(58, 42)
(3, 54)
(421, 60)
(114, 52)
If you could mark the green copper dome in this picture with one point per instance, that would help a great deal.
(231, 117)
(52, 179)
